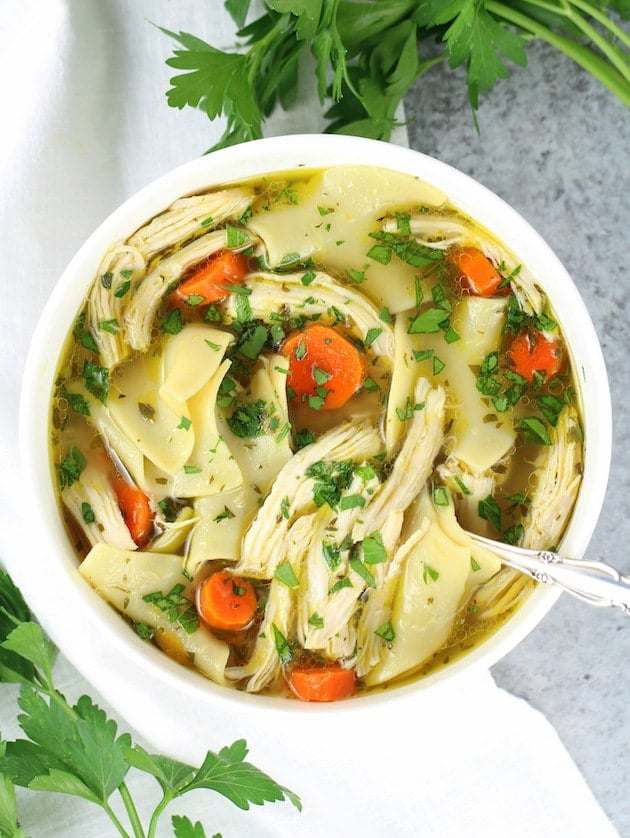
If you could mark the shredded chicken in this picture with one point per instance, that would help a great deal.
(266, 660)
(431, 230)
(284, 293)
(558, 476)
(476, 487)
(93, 488)
(139, 316)
(189, 218)
(261, 545)
(118, 273)
(414, 463)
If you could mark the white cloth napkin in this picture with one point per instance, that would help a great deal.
(86, 125)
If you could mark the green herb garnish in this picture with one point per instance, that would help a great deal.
(366, 57)
(285, 574)
(71, 467)
(75, 749)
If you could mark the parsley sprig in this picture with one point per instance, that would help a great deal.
(369, 53)
(77, 750)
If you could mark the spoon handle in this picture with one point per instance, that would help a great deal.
(596, 583)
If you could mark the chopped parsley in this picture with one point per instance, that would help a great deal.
(331, 479)
(178, 608)
(440, 496)
(285, 574)
(352, 502)
(282, 645)
(96, 380)
(373, 549)
(514, 534)
(316, 620)
(372, 335)
(122, 289)
(112, 327)
(429, 572)
(332, 554)
(490, 510)
(361, 570)
(174, 323)
(386, 632)
(404, 248)
(78, 403)
(235, 236)
(303, 438)
(225, 515)
(189, 469)
(83, 335)
(534, 430)
(339, 584)
(169, 509)
(247, 419)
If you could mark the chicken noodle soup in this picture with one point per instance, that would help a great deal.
(282, 409)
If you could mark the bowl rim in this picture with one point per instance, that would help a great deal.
(74, 596)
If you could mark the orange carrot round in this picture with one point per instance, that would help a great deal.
(325, 368)
(136, 509)
(477, 272)
(226, 602)
(322, 683)
(532, 352)
(206, 284)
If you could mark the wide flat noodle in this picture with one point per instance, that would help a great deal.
(148, 421)
(330, 220)
(441, 568)
(123, 578)
(222, 520)
(210, 468)
(474, 439)
(190, 359)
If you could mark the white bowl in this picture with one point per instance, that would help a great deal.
(143, 684)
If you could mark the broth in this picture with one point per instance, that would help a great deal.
(310, 387)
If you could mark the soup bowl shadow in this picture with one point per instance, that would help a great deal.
(140, 682)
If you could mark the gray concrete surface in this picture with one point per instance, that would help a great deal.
(556, 145)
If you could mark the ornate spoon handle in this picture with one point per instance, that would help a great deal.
(596, 583)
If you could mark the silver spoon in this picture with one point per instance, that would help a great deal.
(596, 583)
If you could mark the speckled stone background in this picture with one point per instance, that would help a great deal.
(556, 146)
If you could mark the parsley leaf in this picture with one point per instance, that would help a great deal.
(366, 57)
(77, 750)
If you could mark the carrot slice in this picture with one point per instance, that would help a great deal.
(325, 368)
(532, 352)
(226, 602)
(477, 272)
(135, 507)
(322, 683)
(206, 284)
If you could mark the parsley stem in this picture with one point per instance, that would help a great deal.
(131, 810)
(614, 55)
(166, 799)
(114, 819)
(598, 67)
(616, 31)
